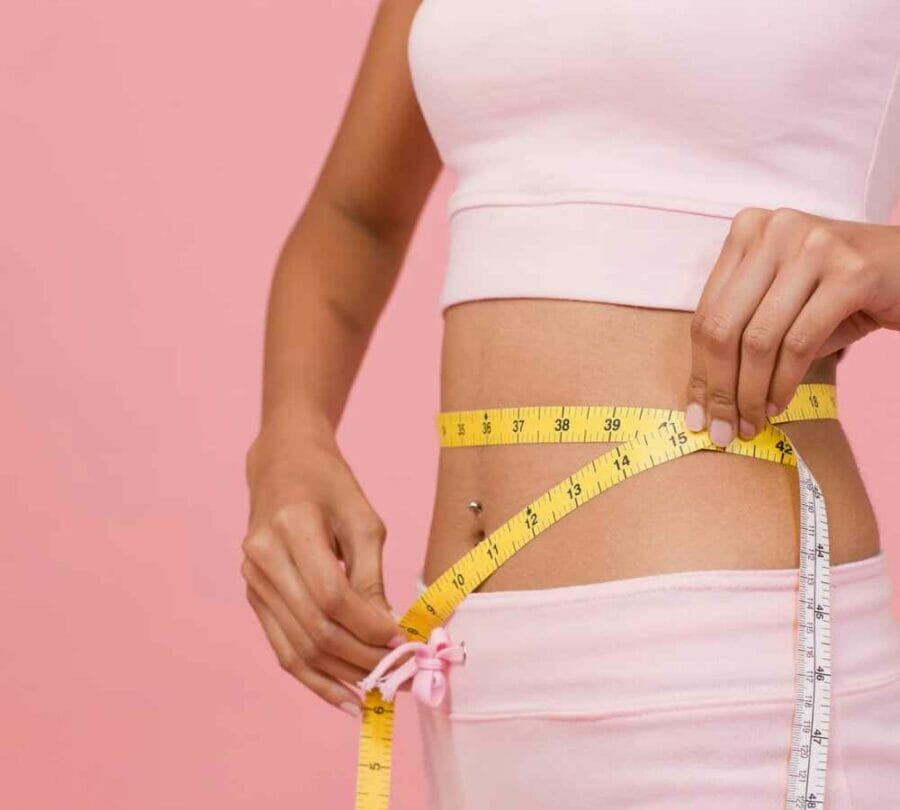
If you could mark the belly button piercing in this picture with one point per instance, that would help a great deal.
(474, 507)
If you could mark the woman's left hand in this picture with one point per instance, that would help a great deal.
(788, 287)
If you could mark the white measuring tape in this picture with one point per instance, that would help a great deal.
(812, 670)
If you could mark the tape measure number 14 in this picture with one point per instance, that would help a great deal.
(649, 437)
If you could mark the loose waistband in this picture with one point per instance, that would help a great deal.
(662, 641)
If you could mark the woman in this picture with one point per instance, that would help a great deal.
(672, 208)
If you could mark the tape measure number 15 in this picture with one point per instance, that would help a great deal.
(649, 437)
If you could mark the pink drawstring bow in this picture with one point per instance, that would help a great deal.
(426, 667)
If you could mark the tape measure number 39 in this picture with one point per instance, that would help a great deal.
(649, 437)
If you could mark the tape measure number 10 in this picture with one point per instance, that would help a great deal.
(649, 437)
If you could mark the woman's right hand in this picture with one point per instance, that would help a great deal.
(327, 622)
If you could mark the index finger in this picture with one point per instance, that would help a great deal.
(310, 543)
(730, 256)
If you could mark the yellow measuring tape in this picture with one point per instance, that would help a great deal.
(649, 436)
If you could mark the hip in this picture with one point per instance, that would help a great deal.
(669, 690)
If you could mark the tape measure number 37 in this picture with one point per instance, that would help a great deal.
(649, 437)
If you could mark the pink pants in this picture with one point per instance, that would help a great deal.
(667, 692)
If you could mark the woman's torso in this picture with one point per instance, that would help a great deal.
(600, 152)
(703, 511)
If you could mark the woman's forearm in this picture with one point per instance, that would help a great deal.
(337, 267)
(332, 279)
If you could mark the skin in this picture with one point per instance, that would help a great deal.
(312, 550)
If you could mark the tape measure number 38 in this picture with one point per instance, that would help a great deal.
(649, 437)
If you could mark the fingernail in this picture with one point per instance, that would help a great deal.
(694, 417)
(772, 409)
(747, 429)
(721, 432)
(397, 616)
(351, 708)
(397, 640)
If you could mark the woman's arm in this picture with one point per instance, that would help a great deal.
(342, 257)
(333, 277)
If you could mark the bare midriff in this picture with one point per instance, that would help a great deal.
(704, 511)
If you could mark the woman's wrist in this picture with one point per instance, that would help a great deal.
(880, 246)
(287, 430)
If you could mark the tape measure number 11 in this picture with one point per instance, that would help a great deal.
(649, 437)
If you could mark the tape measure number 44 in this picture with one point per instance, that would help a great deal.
(649, 437)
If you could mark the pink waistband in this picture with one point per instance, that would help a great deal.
(661, 641)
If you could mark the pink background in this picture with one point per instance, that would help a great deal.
(153, 157)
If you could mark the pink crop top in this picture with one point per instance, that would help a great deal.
(600, 149)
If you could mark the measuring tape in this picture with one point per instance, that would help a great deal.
(650, 437)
